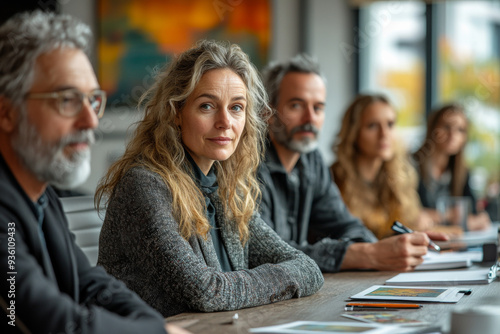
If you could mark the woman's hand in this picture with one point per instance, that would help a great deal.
(481, 221)
(425, 221)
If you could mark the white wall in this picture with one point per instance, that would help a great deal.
(285, 30)
(86, 11)
(329, 25)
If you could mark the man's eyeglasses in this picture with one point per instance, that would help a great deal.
(70, 101)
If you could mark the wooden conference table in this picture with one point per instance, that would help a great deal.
(328, 305)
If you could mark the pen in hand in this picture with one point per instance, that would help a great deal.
(401, 229)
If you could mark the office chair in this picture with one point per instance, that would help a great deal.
(85, 224)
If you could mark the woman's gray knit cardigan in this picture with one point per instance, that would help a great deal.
(140, 244)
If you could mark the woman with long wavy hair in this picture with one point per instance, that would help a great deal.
(181, 227)
(441, 163)
(372, 171)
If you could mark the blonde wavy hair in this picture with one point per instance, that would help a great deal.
(390, 192)
(157, 146)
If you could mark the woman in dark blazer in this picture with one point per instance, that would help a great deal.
(181, 227)
(441, 163)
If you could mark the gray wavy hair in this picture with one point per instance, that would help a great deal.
(24, 37)
(273, 74)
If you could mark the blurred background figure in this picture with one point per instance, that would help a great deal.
(372, 170)
(441, 164)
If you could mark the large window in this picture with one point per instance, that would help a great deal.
(392, 56)
(423, 55)
(468, 71)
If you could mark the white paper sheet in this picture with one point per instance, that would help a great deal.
(330, 327)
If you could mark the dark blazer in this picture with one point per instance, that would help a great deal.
(63, 294)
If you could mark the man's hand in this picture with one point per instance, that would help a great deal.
(398, 253)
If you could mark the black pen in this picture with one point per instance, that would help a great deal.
(401, 229)
(370, 309)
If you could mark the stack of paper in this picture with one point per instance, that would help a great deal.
(450, 260)
(457, 277)
(472, 238)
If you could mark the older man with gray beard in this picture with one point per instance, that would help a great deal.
(50, 103)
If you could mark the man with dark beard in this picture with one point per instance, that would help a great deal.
(50, 103)
(299, 199)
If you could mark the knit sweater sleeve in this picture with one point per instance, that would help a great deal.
(141, 244)
(267, 251)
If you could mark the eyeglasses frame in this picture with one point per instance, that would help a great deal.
(59, 94)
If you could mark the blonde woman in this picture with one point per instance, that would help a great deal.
(181, 227)
(441, 163)
(372, 171)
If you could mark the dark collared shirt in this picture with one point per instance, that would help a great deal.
(38, 209)
(306, 209)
